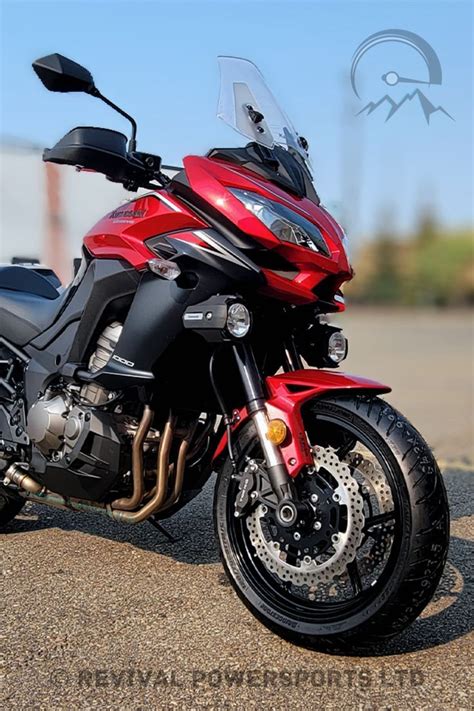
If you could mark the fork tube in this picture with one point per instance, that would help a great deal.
(255, 401)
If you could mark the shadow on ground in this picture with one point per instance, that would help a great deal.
(448, 617)
(191, 528)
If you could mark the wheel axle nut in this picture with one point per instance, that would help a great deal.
(287, 514)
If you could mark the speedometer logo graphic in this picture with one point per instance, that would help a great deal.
(391, 78)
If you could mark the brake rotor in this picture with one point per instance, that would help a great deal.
(373, 479)
(315, 569)
(377, 487)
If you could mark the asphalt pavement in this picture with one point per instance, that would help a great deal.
(99, 615)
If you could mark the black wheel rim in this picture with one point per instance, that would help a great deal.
(280, 596)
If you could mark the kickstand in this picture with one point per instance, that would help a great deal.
(162, 530)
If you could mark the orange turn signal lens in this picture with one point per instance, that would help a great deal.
(276, 432)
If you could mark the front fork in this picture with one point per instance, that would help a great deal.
(288, 509)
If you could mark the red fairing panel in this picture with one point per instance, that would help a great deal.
(210, 179)
(286, 405)
(122, 233)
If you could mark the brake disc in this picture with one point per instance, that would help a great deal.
(374, 479)
(308, 570)
(377, 486)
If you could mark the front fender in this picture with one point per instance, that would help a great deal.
(287, 393)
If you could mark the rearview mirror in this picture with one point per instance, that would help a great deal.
(59, 73)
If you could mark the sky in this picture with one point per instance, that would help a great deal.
(157, 59)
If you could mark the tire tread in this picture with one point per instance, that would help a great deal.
(430, 532)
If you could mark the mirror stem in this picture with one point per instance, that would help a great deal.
(132, 145)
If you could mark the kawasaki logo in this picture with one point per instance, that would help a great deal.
(126, 213)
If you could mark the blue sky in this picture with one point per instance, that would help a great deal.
(158, 60)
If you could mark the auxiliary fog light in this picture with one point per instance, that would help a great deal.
(277, 431)
(337, 347)
(238, 320)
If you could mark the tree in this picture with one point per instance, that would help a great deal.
(385, 284)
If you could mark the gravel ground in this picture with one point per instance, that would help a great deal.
(95, 614)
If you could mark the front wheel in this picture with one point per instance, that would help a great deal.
(371, 549)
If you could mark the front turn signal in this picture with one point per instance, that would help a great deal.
(277, 431)
(164, 268)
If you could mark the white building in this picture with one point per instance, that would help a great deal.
(45, 209)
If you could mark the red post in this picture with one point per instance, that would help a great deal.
(55, 253)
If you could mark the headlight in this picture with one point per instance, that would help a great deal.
(238, 320)
(285, 224)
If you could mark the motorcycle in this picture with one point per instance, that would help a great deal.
(194, 339)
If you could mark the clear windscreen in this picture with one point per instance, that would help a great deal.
(247, 104)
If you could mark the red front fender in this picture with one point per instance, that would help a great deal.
(287, 393)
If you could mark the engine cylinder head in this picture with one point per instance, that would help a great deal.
(105, 346)
(94, 393)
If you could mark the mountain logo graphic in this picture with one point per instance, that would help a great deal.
(392, 78)
(427, 107)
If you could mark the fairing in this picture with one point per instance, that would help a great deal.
(209, 179)
(122, 233)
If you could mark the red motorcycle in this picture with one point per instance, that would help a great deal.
(181, 348)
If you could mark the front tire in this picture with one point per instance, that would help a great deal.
(413, 563)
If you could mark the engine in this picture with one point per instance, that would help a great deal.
(71, 432)
(105, 347)
(56, 420)
(55, 423)
(81, 442)
(13, 437)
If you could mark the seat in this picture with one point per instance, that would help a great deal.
(29, 303)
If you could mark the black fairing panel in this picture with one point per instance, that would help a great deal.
(104, 281)
(104, 287)
(155, 316)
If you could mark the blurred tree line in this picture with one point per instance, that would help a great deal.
(431, 267)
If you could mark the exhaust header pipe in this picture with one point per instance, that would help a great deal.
(33, 491)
